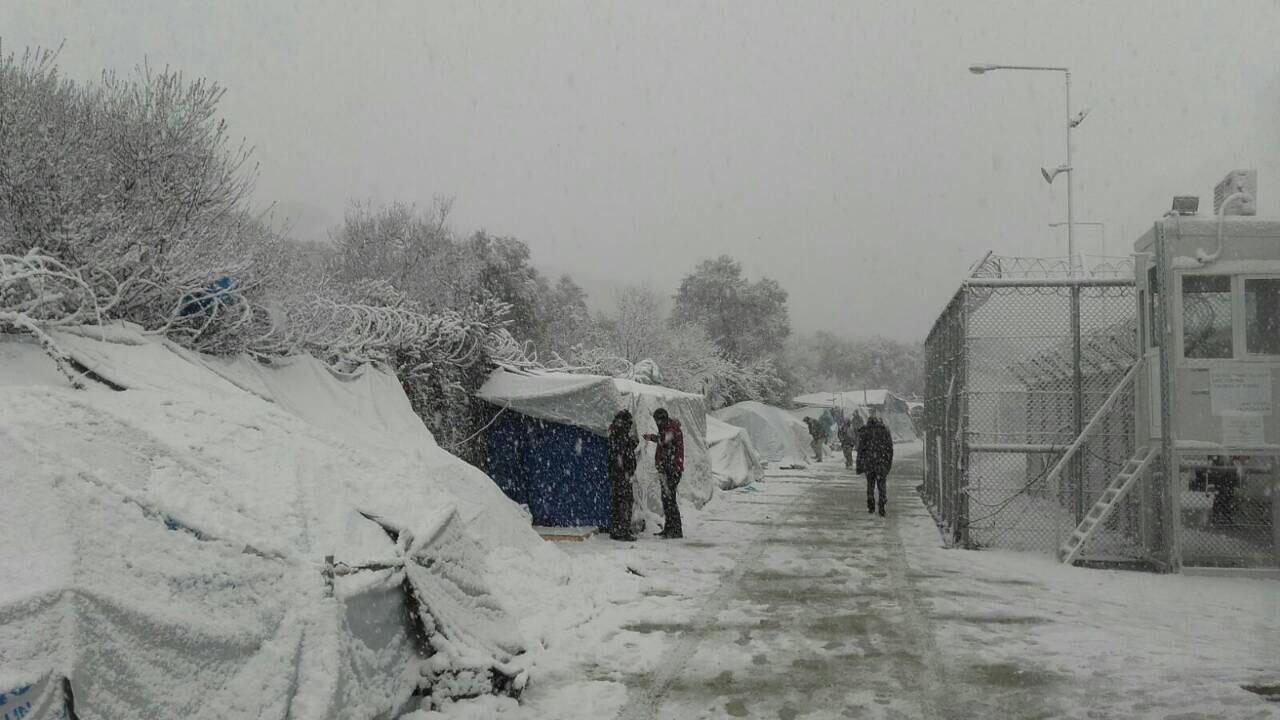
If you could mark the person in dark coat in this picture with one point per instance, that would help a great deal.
(1224, 476)
(669, 459)
(622, 466)
(815, 437)
(875, 459)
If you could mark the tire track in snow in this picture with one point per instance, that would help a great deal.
(643, 703)
(918, 627)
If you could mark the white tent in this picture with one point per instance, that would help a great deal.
(734, 460)
(170, 557)
(777, 435)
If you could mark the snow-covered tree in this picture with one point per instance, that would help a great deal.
(748, 320)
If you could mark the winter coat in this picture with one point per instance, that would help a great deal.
(622, 445)
(815, 429)
(875, 448)
(848, 434)
(669, 457)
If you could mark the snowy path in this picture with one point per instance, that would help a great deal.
(789, 601)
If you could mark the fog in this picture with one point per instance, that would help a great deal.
(842, 149)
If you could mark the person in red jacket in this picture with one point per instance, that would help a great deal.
(669, 458)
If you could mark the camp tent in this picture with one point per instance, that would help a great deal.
(889, 407)
(186, 548)
(779, 438)
(734, 460)
(547, 446)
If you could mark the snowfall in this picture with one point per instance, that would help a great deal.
(164, 545)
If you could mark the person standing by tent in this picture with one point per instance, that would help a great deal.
(622, 466)
(875, 459)
(815, 433)
(669, 459)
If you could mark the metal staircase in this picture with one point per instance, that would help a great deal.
(1116, 490)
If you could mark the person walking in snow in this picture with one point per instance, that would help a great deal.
(848, 435)
(815, 434)
(875, 459)
(669, 459)
(622, 466)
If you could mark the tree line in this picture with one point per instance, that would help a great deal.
(126, 199)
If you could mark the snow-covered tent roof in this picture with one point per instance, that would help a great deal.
(845, 399)
(734, 460)
(777, 435)
(170, 554)
(585, 401)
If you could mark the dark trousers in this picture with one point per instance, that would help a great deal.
(670, 508)
(875, 483)
(848, 455)
(621, 498)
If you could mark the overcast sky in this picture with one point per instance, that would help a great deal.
(842, 149)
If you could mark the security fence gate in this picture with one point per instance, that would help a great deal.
(1024, 359)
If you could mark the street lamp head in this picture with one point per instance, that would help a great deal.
(1049, 175)
(980, 69)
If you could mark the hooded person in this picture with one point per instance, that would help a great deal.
(622, 466)
(875, 459)
(669, 459)
(815, 437)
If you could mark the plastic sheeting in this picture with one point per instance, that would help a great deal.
(585, 401)
(168, 551)
(777, 435)
(734, 460)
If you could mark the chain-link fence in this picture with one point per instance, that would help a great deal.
(1227, 508)
(1019, 363)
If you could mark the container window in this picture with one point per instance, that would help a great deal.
(1206, 316)
(1262, 316)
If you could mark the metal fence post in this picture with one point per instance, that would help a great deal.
(1169, 501)
(1077, 388)
(962, 506)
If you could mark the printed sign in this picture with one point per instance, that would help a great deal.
(41, 700)
(1240, 390)
(1243, 430)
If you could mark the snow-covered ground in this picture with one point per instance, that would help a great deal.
(787, 600)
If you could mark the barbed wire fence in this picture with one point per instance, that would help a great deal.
(1018, 363)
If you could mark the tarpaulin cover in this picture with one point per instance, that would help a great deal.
(585, 401)
(558, 471)
(777, 435)
(734, 460)
(168, 551)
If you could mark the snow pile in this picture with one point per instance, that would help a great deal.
(734, 460)
(168, 554)
(777, 435)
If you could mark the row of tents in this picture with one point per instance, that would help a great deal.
(546, 446)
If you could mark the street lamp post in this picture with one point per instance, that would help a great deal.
(1068, 168)
(1102, 229)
